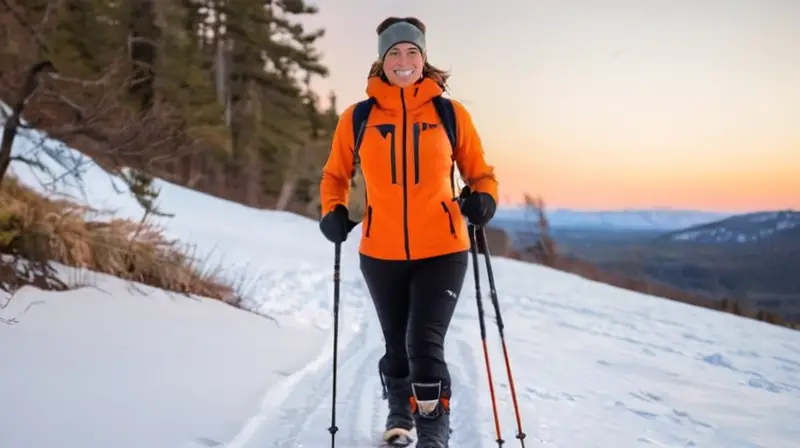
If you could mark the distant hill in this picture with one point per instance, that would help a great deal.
(752, 257)
(743, 229)
(592, 228)
(655, 219)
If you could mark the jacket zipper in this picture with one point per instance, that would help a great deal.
(405, 179)
(415, 141)
(449, 219)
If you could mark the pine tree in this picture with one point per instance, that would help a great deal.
(232, 77)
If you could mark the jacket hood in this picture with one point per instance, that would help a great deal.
(414, 96)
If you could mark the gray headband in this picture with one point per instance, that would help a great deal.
(400, 32)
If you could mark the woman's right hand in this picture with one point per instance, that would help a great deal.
(336, 224)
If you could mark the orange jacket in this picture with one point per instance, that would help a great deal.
(406, 164)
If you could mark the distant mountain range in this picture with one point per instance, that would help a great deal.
(742, 229)
(655, 219)
(752, 257)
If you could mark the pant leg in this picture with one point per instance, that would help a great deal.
(388, 284)
(435, 287)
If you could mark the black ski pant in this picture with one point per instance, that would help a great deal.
(415, 301)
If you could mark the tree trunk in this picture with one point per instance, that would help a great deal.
(11, 126)
(144, 35)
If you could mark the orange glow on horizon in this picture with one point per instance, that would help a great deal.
(566, 185)
(602, 108)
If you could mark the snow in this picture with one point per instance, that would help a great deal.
(108, 367)
(594, 366)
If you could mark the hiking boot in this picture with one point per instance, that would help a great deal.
(431, 409)
(397, 392)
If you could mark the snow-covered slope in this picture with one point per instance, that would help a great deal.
(657, 220)
(595, 366)
(747, 228)
(112, 367)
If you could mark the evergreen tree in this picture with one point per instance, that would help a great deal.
(233, 77)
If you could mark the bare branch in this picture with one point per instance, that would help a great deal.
(104, 80)
(33, 31)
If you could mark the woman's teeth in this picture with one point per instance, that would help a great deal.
(404, 73)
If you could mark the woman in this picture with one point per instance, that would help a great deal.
(414, 244)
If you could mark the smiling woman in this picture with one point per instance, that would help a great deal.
(414, 239)
(409, 33)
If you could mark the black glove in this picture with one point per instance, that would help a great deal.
(477, 207)
(336, 224)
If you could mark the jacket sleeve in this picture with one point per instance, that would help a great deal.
(469, 155)
(334, 188)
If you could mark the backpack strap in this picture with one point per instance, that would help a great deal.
(360, 116)
(444, 107)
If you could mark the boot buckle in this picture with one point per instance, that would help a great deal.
(427, 400)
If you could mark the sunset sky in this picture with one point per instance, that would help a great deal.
(609, 104)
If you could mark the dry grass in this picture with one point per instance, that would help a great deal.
(41, 231)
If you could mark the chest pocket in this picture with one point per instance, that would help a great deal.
(432, 151)
(381, 151)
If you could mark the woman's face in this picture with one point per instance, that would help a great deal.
(403, 64)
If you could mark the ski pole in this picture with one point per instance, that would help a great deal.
(500, 329)
(481, 321)
(337, 261)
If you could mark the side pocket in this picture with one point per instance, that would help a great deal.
(369, 220)
(449, 219)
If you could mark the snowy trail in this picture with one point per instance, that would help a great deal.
(301, 415)
(634, 371)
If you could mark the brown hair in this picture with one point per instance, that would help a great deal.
(428, 71)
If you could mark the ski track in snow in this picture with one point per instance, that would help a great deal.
(297, 413)
(297, 403)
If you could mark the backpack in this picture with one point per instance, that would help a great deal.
(444, 108)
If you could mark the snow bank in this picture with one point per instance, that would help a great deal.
(111, 367)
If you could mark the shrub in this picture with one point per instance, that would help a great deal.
(40, 231)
